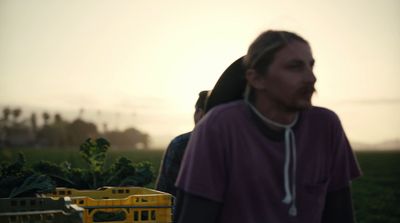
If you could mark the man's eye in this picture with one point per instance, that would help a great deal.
(295, 66)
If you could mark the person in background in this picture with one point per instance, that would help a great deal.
(171, 161)
(263, 152)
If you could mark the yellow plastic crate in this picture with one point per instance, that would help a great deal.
(33, 209)
(122, 204)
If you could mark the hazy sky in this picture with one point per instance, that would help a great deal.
(142, 63)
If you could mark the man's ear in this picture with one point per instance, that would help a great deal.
(255, 79)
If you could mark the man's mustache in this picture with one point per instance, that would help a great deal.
(307, 89)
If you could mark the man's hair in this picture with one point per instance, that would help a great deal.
(201, 101)
(263, 49)
(232, 83)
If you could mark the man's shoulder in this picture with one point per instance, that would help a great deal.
(229, 105)
(321, 113)
(178, 145)
(227, 109)
(181, 139)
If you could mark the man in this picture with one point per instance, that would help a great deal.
(271, 156)
(173, 155)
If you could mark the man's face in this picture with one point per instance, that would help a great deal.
(289, 81)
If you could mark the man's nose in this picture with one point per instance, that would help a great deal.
(310, 77)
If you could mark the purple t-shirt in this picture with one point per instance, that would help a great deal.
(229, 160)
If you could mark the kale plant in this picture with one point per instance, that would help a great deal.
(19, 180)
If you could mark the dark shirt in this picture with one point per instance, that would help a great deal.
(171, 164)
(226, 151)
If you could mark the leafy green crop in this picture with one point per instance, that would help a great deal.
(19, 180)
(35, 183)
(94, 153)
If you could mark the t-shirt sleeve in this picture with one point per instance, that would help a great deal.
(345, 167)
(203, 169)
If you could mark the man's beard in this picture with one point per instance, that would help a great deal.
(303, 100)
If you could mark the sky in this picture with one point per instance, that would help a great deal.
(142, 63)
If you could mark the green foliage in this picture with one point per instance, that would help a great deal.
(19, 180)
(16, 169)
(59, 173)
(13, 174)
(80, 178)
(144, 173)
(49, 168)
(94, 153)
(121, 170)
(33, 184)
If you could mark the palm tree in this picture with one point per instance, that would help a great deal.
(46, 118)
(34, 123)
(6, 113)
(57, 118)
(16, 113)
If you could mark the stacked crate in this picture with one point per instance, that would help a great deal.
(121, 204)
(37, 210)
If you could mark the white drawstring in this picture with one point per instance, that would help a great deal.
(290, 149)
(293, 209)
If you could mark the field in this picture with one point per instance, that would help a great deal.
(376, 194)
